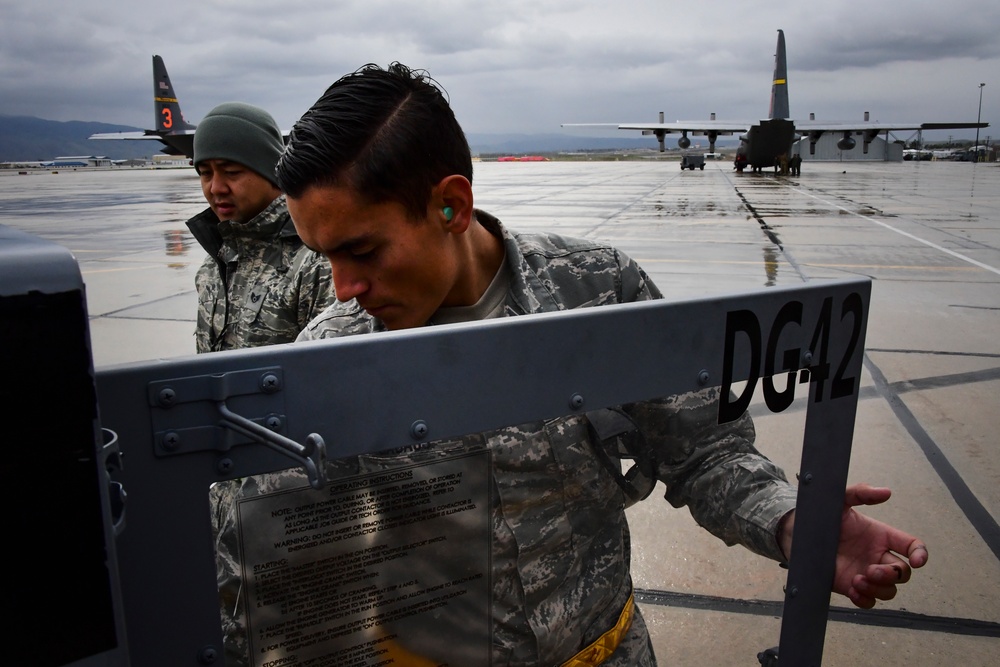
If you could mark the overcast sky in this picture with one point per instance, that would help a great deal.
(509, 66)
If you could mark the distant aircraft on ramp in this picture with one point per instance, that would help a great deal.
(763, 142)
(175, 133)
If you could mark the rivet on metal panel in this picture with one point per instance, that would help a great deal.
(208, 655)
(419, 430)
(167, 397)
(171, 440)
(269, 383)
(224, 466)
(768, 658)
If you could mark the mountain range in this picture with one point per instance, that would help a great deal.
(28, 138)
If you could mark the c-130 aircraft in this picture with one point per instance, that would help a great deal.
(763, 142)
(172, 130)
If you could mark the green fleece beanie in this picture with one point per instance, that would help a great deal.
(241, 133)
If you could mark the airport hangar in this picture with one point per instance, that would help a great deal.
(879, 150)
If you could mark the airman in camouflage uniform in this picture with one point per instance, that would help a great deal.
(560, 549)
(378, 177)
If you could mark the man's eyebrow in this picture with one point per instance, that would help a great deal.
(352, 243)
(209, 165)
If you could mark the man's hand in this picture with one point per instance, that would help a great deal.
(869, 556)
(869, 563)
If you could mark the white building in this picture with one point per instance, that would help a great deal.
(79, 161)
(879, 150)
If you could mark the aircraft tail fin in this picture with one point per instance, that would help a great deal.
(779, 87)
(169, 118)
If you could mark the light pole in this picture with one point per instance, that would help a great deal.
(979, 115)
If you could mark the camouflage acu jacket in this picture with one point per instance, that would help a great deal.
(560, 548)
(259, 285)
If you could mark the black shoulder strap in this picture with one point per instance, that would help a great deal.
(617, 437)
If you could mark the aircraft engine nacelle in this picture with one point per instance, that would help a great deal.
(869, 136)
(814, 136)
(659, 134)
(847, 142)
(683, 142)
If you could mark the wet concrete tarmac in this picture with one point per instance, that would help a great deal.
(927, 234)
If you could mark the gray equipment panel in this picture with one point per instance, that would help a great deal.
(62, 576)
(368, 393)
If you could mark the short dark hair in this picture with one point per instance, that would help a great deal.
(388, 134)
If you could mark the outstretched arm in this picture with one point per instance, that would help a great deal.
(870, 561)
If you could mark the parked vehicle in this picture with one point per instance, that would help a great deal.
(693, 160)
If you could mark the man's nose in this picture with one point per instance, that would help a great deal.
(347, 283)
(218, 185)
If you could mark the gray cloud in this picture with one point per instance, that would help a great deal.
(509, 66)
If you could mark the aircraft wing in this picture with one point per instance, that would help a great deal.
(142, 135)
(708, 128)
(696, 127)
(122, 135)
(867, 130)
(175, 143)
(848, 126)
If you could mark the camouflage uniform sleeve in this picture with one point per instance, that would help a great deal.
(635, 284)
(222, 499)
(339, 319)
(714, 469)
(315, 285)
(208, 285)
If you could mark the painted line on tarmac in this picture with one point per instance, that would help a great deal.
(737, 262)
(169, 265)
(118, 313)
(772, 236)
(920, 267)
(980, 518)
(886, 618)
(908, 235)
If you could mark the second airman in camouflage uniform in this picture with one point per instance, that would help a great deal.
(259, 285)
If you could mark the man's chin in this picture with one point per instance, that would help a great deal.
(394, 318)
(379, 313)
(226, 215)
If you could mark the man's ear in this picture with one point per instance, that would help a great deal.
(452, 203)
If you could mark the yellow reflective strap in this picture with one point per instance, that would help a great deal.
(606, 644)
(396, 653)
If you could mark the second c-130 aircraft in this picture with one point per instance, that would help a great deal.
(763, 142)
